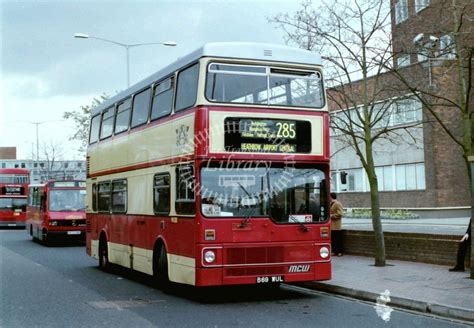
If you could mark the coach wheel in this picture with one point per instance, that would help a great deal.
(160, 269)
(104, 263)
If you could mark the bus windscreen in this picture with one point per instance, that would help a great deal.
(287, 194)
(67, 200)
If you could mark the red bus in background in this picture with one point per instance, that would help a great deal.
(13, 197)
(56, 211)
(215, 170)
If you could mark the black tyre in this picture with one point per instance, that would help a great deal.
(160, 268)
(104, 263)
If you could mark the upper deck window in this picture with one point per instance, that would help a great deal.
(107, 123)
(141, 106)
(186, 89)
(123, 116)
(94, 131)
(263, 85)
(162, 99)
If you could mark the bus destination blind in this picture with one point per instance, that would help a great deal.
(267, 135)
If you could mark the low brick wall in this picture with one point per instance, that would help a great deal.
(415, 247)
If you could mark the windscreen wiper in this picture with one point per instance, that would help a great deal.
(245, 221)
(301, 224)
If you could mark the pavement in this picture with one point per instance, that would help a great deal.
(421, 287)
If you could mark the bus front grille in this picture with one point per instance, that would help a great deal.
(268, 255)
(71, 223)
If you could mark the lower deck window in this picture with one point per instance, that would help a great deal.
(103, 197)
(185, 200)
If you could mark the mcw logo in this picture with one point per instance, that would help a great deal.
(299, 268)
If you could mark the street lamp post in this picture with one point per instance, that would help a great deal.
(126, 46)
(37, 140)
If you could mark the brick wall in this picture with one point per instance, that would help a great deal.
(7, 152)
(415, 247)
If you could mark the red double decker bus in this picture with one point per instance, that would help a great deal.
(214, 170)
(56, 211)
(13, 194)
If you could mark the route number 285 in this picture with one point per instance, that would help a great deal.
(286, 130)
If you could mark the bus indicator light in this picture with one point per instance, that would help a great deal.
(210, 234)
(324, 232)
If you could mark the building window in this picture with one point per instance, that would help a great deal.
(161, 194)
(79, 165)
(407, 111)
(119, 196)
(401, 11)
(354, 180)
(398, 177)
(384, 178)
(446, 47)
(66, 165)
(410, 176)
(388, 113)
(421, 4)
(185, 200)
(4, 165)
(403, 60)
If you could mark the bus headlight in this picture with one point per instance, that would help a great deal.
(324, 252)
(209, 256)
(53, 223)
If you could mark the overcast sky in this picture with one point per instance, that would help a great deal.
(46, 71)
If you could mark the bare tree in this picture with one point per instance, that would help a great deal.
(354, 39)
(52, 154)
(81, 119)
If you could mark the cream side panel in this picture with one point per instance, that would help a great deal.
(143, 260)
(119, 254)
(95, 249)
(182, 269)
(164, 141)
(216, 122)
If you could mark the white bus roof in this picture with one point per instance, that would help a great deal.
(235, 50)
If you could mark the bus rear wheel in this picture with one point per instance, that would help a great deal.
(160, 268)
(104, 263)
